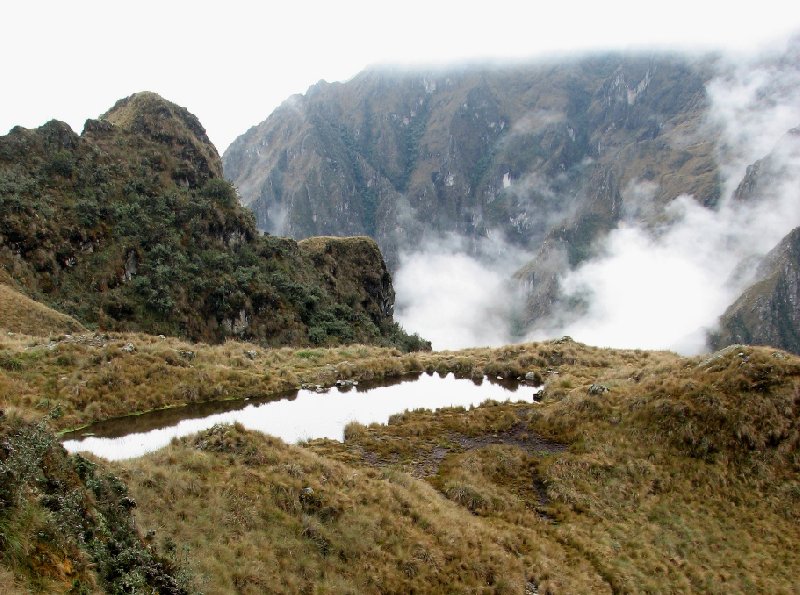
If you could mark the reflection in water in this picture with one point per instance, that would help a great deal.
(299, 415)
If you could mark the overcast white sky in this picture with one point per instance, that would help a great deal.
(231, 63)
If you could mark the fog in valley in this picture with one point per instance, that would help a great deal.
(652, 282)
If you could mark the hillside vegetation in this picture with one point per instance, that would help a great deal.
(130, 226)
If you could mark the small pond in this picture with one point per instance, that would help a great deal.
(300, 415)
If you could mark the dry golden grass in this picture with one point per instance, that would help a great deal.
(20, 314)
(9, 583)
(78, 379)
(683, 477)
(256, 515)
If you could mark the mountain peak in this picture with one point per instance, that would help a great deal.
(150, 114)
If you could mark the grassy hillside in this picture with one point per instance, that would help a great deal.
(637, 472)
(683, 477)
(20, 314)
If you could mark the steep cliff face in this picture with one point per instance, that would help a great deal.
(527, 150)
(130, 226)
(768, 312)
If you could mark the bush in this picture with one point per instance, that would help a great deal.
(220, 191)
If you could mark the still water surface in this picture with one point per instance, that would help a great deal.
(297, 416)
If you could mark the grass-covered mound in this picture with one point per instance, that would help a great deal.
(20, 314)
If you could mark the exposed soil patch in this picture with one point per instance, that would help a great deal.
(426, 463)
(518, 435)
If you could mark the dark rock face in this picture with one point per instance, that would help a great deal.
(768, 312)
(130, 226)
(532, 151)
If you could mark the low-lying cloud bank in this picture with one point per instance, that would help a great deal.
(658, 287)
(457, 297)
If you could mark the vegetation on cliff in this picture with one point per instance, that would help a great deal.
(67, 524)
(131, 227)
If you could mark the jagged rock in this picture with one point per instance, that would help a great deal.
(131, 266)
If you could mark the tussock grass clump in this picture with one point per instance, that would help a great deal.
(682, 476)
(740, 401)
(300, 522)
(637, 471)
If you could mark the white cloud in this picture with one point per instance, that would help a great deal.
(666, 288)
(456, 297)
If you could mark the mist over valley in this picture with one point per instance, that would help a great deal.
(622, 199)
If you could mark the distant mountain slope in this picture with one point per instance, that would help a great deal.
(527, 150)
(767, 313)
(130, 226)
